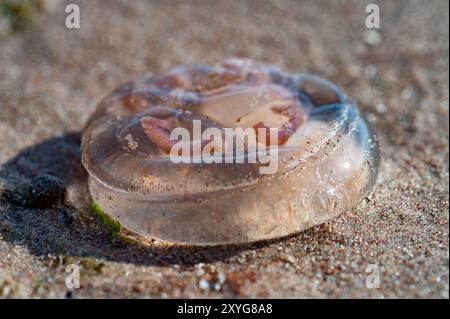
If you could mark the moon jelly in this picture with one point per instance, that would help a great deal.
(326, 155)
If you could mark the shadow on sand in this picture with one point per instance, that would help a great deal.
(73, 231)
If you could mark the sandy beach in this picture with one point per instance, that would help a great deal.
(52, 77)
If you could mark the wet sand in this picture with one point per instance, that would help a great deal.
(51, 79)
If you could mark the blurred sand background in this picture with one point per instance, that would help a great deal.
(51, 79)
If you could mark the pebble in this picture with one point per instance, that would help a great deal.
(372, 37)
(203, 284)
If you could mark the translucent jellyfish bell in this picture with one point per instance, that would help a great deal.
(327, 156)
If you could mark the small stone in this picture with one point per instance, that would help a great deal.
(372, 37)
(219, 281)
(203, 284)
(290, 259)
(381, 108)
(44, 191)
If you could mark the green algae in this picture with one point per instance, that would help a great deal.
(112, 225)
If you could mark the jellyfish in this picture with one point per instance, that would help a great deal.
(326, 154)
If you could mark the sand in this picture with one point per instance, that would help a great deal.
(51, 79)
